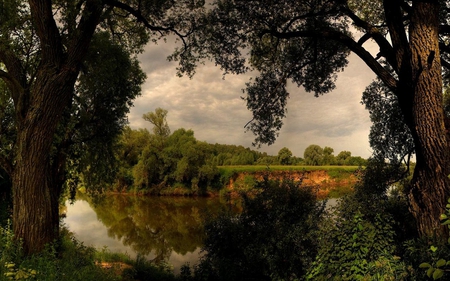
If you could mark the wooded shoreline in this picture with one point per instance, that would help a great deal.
(329, 181)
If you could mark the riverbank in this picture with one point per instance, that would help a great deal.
(69, 259)
(330, 181)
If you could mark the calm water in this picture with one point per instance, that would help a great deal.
(160, 228)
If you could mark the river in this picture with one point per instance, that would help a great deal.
(159, 228)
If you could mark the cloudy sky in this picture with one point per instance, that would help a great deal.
(212, 107)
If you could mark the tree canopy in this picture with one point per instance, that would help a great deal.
(45, 45)
(54, 56)
(284, 156)
(313, 155)
(308, 42)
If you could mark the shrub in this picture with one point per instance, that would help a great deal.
(437, 268)
(274, 238)
(357, 249)
(72, 261)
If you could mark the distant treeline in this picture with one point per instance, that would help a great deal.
(158, 160)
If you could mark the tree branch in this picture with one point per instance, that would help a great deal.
(397, 32)
(15, 76)
(138, 15)
(141, 18)
(18, 94)
(386, 49)
(347, 41)
(47, 31)
(80, 43)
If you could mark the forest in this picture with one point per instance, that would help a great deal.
(69, 73)
(149, 162)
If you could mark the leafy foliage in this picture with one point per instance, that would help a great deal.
(284, 156)
(328, 156)
(313, 155)
(357, 248)
(439, 266)
(309, 62)
(274, 238)
(390, 138)
(109, 82)
(160, 162)
(57, 66)
(75, 261)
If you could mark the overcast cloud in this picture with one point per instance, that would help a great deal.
(212, 107)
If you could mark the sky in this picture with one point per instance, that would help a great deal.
(211, 106)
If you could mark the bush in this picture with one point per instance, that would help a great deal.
(358, 249)
(274, 238)
(73, 261)
(363, 239)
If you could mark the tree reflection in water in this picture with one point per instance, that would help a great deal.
(156, 225)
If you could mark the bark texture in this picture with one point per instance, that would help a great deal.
(422, 103)
(36, 189)
(39, 105)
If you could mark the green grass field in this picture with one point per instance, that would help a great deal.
(255, 168)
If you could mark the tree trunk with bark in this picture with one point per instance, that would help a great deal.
(422, 103)
(37, 170)
(36, 188)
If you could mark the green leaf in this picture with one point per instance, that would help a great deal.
(441, 262)
(446, 222)
(424, 265)
(433, 248)
(443, 216)
(430, 271)
(438, 273)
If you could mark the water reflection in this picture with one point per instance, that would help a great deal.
(160, 228)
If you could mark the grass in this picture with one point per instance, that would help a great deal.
(73, 261)
(256, 168)
(335, 172)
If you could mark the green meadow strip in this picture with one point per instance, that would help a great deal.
(262, 168)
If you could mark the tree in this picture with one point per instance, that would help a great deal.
(313, 155)
(107, 85)
(328, 157)
(390, 138)
(43, 45)
(131, 144)
(308, 43)
(284, 156)
(158, 119)
(343, 157)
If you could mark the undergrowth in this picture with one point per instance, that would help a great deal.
(69, 259)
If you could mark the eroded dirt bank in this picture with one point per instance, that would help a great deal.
(324, 181)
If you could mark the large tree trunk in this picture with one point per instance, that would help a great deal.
(430, 184)
(35, 176)
(35, 200)
(36, 189)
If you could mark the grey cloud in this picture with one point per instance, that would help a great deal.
(212, 107)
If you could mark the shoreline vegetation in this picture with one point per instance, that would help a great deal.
(68, 256)
(329, 181)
